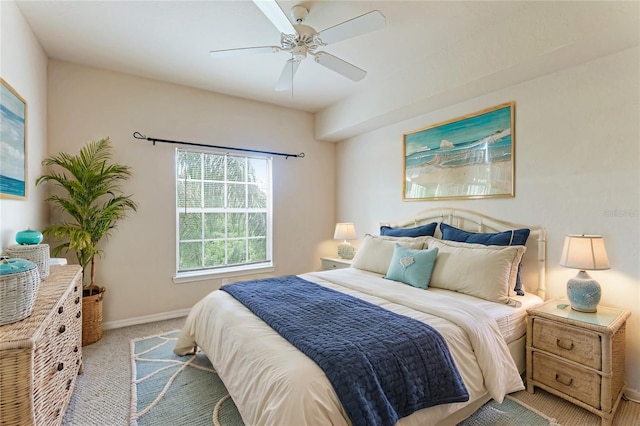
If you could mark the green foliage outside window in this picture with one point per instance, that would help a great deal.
(222, 206)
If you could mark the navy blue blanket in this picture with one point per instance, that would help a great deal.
(382, 365)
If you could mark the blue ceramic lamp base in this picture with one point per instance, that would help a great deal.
(583, 292)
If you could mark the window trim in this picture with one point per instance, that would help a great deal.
(232, 270)
(225, 272)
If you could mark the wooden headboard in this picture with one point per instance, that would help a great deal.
(534, 260)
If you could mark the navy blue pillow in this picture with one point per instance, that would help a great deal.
(419, 231)
(517, 237)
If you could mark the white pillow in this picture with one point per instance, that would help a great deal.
(487, 272)
(423, 239)
(376, 252)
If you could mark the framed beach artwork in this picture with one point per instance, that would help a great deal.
(467, 157)
(13, 143)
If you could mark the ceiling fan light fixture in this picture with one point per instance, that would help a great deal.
(299, 53)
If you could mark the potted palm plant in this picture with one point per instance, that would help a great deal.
(92, 201)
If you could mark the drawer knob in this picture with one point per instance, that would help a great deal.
(62, 329)
(60, 309)
(79, 314)
(567, 381)
(77, 300)
(564, 344)
(60, 366)
(75, 349)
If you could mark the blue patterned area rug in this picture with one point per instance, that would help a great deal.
(168, 389)
(509, 413)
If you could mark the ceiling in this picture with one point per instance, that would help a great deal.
(170, 41)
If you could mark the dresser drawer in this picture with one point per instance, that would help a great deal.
(573, 343)
(57, 359)
(581, 384)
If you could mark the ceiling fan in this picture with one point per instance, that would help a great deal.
(301, 40)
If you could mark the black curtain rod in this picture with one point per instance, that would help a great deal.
(139, 135)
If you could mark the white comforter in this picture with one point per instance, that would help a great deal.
(272, 383)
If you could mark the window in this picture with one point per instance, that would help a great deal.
(223, 212)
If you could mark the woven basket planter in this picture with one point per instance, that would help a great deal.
(92, 315)
(18, 293)
(36, 253)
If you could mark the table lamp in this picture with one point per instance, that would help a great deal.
(584, 252)
(344, 232)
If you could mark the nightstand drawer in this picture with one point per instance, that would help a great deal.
(573, 343)
(581, 384)
(329, 264)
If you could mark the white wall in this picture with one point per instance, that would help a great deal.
(577, 136)
(87, 104)
(23, 65)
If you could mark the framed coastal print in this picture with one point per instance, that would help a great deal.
(13, 143)
(463, 158)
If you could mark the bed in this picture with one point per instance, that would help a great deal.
(273, 382)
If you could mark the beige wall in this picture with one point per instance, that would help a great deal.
(24, 66)
(577, 142)
(139, 262)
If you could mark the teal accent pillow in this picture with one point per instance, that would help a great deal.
(413, 267)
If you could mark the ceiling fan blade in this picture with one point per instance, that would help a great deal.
(286, 77)
(341, 67)
(277, 17)
(362, 24)
(242, 51)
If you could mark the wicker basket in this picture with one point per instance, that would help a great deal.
(36, 253)
(92, 316)
(18, 292)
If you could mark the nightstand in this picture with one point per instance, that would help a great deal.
(329, 263)
(578, 356)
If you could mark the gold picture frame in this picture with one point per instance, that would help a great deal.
(464, 158)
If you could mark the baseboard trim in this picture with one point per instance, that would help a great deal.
(145, 319)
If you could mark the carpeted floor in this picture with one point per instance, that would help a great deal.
(102, 396)
(103, 392)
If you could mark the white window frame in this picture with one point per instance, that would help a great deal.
(222, 272)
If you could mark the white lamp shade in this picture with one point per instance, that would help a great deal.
(345, 231)
(584, 252)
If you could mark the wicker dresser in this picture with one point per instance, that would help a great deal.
(40, 356)
(578, 356)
